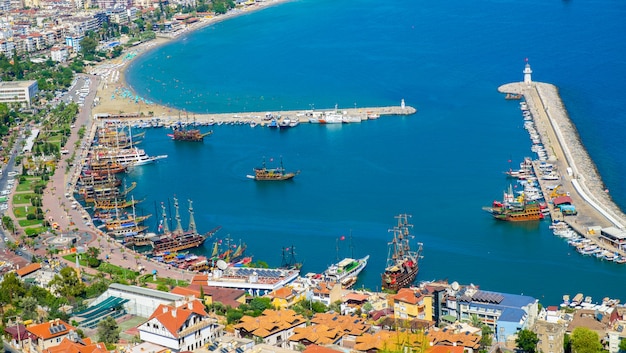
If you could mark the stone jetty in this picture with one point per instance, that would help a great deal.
(579, 175)
(364, 113)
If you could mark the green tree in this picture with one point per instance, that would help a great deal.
(29, 308)
(527, 341)
(584, 340)
(233, 315)
(258, 305)
(68, 284)
(88, 47)
(11, 288)
(108, 332)
(486, 338)
(622, 345)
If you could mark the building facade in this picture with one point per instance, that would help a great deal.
(18, 91)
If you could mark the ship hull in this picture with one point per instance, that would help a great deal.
(402, 280)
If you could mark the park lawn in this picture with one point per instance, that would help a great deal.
(117, 270)
(25, 186)
(27, 223)
(20, 212)
(36, 230)
(163, 280)
(72, 257)
(20, 199)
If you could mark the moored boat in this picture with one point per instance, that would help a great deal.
(178, 239)
(402, 262)
(346, 270)
(263, 173)
(194, 135)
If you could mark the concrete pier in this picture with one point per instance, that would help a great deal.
(258, 117)
(566, 151)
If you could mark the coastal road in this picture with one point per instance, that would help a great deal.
(58, 202)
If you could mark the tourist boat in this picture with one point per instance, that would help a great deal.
(125, 221)
(289, 261)
(330, 118)
(402, 263)
(181, 134)
(142, 239)
(372, 116)
(295, 122)
(347, 119)
(515, 209)
(273, 123)
(285, 123)
(530, 211)
(513, 96)
(105, 167)
(107, 193)
(264, 173)
(126, 157)
(114, 204)
(178, 239)
(123, 233)
(346, 271)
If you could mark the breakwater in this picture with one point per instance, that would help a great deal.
(582, 182)
(303, 116)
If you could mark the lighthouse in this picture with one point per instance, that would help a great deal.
(527, 74)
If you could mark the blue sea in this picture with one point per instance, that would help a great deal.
(440, 165)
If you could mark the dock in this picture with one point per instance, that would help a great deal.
(578, 174)
(260, 118)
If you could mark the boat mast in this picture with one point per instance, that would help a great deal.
(179, 226)
(166, 228)
(351, 245)
(192, 222)
(292, 260)
(283, 262)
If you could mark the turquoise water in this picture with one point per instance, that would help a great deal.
(441, 165)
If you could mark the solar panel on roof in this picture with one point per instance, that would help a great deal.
(212, 347)
(224, 350)
(239, 350)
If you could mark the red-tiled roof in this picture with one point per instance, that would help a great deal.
(173, 318)
(51, 329)
(446, 349)
(313, 348)
(356, 297)
(28, 269)
(68, 346)
(561, 200)
(282, 293)
(226, 296)
(406, 295)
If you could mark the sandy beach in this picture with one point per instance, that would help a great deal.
(114, 94)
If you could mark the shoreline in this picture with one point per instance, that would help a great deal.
(118, 67)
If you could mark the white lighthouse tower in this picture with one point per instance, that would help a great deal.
(527, 74)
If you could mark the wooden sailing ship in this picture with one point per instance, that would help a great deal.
(263, 173)
(178, 239)
(402, 261)
(194, 135)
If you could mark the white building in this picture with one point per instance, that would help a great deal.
(18, 91)
(180, 327)
(59, 54)
(141, 301)
(74, 42)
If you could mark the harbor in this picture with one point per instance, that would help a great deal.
(595, 216)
